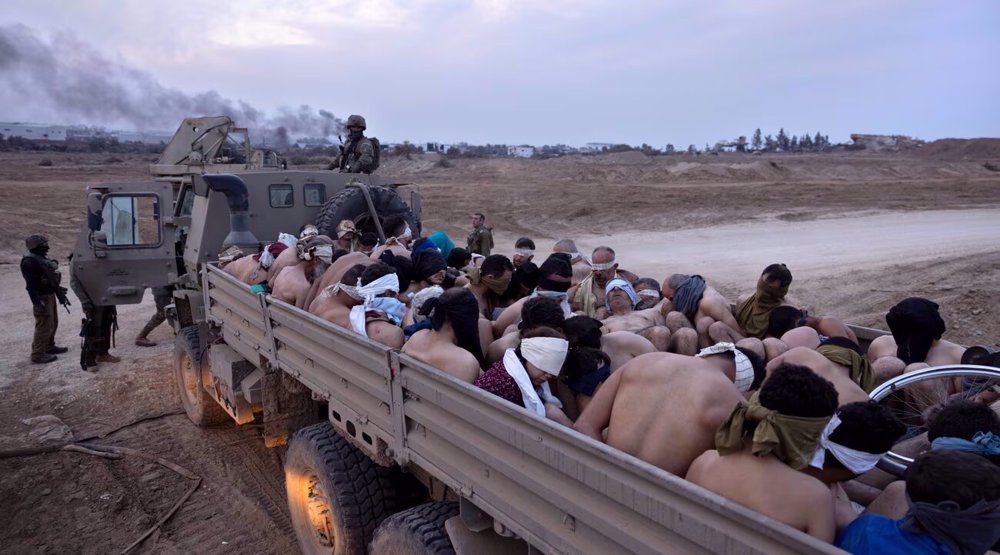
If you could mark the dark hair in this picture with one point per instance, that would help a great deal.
(779, 272)
(394, 225)
(541, 312)
(581, 361)
(962, 419)
(524, 243)
(583, 331)
(368, 239)
(865, 426)
(337, 253)
(843, 342)
(459, 307)
(759, 367)
(495, 265)
(650, 283)
(963, 478)
(782, 319)
(459, 258)
(375, 271)
(404, 270)
(352, 274)
(555, 274)
(480, 214)
(794, 390)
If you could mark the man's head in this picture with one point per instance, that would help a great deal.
(376, 271)
(497, 266)
(355, 125)
(543, 352)
(458, 308)
(915, 324)
(541, 312)
(604, 266)
(317, 254)
(620, 296)
(429, 267)
(749, 368)
(367, 242)
(396, 226)
(566, 246)
(855, 439)
(966, 421)
(524, 250)
(459, 258)
(671, 284)
(963, 478)
(478, 219)
(777, 275)
(583, 331)
(555, 276)
(37, 244)
(346, 232)
(649, 292)
(784, 318)
(307, 231)
(794, 390)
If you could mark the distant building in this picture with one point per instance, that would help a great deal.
(34, 131)
(437, 147)
(150, 137)
(521, 151)
(596, 147)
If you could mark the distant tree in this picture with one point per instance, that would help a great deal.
(757, 142)
(794, 144)
(707, 148)
(669, 149)
(784, 143)
(649, 150)
(819, 141)
(770, 144)
(406, 149)
(807, 143)
(692, 150)
(452, 151)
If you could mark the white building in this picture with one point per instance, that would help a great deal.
(596, 147)
(34, 131)
(521, 151)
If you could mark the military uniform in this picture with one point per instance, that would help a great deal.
(99, 324)
(481, 240)
(358, 155)
(42, 281)
(162, 296)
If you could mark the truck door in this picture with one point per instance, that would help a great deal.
(128, 242)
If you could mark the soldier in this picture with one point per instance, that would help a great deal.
(481, 238)
(42, 278)
(360, 154)
(98, 325)
(162, 296)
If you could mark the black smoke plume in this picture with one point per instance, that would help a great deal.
(71, 82)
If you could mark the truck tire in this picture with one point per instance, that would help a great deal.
(188, 362)
(336, 495)
(350, 204)
(416, 531)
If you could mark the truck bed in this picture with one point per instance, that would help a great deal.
(558, 490)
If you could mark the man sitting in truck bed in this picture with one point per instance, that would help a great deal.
(665, 408)
(704, 308)
(359, 303)
(293, 283)
(452, 343)
(649, 323)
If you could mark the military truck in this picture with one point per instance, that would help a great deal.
(383, 452)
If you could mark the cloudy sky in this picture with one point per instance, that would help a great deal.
(515, 71)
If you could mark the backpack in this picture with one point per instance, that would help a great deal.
(377, 146)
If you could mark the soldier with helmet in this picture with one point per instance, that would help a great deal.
(42, 280)
(360, 154)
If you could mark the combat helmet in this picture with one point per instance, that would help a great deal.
(35, 240)
(356, 121)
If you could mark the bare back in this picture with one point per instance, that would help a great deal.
(839, 376)
(335, 272)
(292, 286)
(286, 258)
(427, 347)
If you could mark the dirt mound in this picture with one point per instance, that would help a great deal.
(962, 149)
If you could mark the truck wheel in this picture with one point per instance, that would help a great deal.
(188, 362)
(350, 204)
(416, 531)
(336, 495)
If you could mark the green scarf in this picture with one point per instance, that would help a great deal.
(754, 314)
(793, 439)
(862, 372)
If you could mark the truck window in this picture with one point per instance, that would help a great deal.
(131, 220)
(315, 194)
(281, 196)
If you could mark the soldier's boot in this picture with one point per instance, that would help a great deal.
(143, 342)
(57, 350)
(107, 357)
(43, 358)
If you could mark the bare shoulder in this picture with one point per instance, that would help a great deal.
(883, 345)
(701, 467)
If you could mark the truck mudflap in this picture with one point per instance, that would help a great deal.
(556, 489)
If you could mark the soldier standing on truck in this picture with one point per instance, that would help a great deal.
(360, 154)
(98, 325)
(42, 278)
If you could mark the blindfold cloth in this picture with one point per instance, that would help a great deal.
(915, 324)
(983, 443)
(744, 368)
(754, 314)
(266, 257)
(426, 263)
(688, 295)
(624, 286)
(425, 244)
(792, 439)
(322, 252)
(308, 231)
(970, 531)
(370, 292)
(600, 266)
(420, 298)
(860, 368)
(533, 399)
(496, 285)
(547, 353)
(390, 307)
(856, 461)
(649, 294)
(442, 242)
(524, 252)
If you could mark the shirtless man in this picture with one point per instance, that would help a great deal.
(554, 280)
(915, 344)
(333, 274)
(581, 267)
(452, 343)
(765, 476)
(649, 293)
(664, 408)
(848, 391)
(649, 323)
(536, 312)
(261, 267)
(366, 307)
(399, 236)
(429, 268)
(588, 297)
(704, 307)
(797, 328)
(620, 346)
(294, 282)
(489, 282)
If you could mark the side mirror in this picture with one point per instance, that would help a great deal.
(94, 209)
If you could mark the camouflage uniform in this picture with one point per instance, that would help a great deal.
(358, 155)
(42, 281)
(481, 240)
(98, 325)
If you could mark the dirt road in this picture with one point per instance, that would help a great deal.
(859, 232)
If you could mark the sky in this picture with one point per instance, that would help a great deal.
(513, 71)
